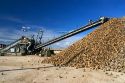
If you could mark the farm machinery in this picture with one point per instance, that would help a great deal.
(29, 47)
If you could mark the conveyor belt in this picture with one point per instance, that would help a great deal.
(11, 45)
(83, 28)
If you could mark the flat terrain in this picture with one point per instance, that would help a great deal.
(29, 69)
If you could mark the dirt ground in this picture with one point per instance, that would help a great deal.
(28, 69)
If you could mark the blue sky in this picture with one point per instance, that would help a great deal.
(53, 16)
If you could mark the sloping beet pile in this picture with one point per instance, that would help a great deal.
(104, 48)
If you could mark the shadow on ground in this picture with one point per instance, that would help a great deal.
(24, 68)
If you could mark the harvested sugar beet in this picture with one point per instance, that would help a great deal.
(104, 48)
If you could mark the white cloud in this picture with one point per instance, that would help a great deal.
(66, 42)
(7, 34)
(10, 34)
(12, 19)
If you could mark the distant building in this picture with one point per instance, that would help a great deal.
(2, 46)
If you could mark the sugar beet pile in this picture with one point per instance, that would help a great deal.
(104, 48)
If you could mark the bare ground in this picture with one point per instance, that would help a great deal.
(28, 69)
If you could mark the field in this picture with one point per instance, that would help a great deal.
(29, 69)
